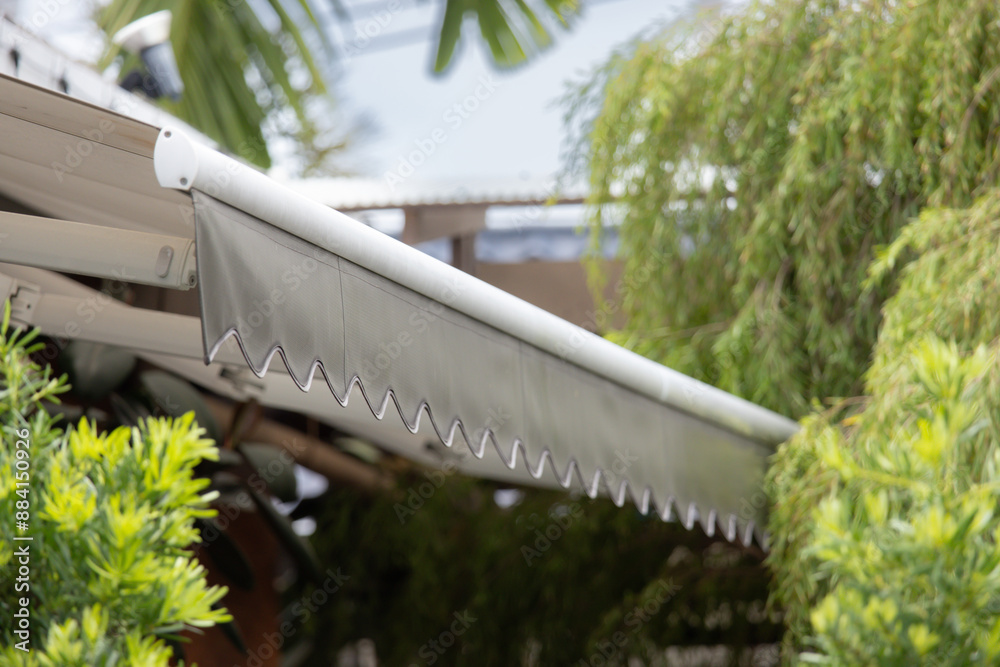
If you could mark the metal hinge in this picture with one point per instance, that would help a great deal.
(246, 383)
(23, 298)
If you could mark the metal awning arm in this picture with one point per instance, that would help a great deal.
(95, 250)
(65, 310)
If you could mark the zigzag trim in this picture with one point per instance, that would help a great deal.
(666, 511)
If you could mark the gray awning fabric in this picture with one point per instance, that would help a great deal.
(330, 318)
(358, 311)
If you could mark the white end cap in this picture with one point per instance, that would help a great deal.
(175, 160)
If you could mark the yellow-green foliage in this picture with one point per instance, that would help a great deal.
(885, 526)
(809, 204)
(111, 516)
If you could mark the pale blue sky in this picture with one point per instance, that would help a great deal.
(510, 125)
(517, 129)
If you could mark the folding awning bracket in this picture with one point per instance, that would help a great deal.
(95, 250)
(243, 381)
(23, 298)
(39, 299)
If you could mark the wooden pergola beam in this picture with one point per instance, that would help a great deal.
(308, 451)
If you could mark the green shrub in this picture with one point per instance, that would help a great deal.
(110, 517)
(885, 524)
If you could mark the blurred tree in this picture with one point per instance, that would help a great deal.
(239, 73)
(885, 523)
(758, 166)
(512, 29)
(761, 165)
(553, 580)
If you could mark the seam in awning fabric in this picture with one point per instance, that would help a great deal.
(278, 294)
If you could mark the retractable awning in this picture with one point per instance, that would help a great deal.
(387, 329)
(282, 274)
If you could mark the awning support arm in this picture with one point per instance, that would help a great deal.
(95, 250)
(99, 318)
